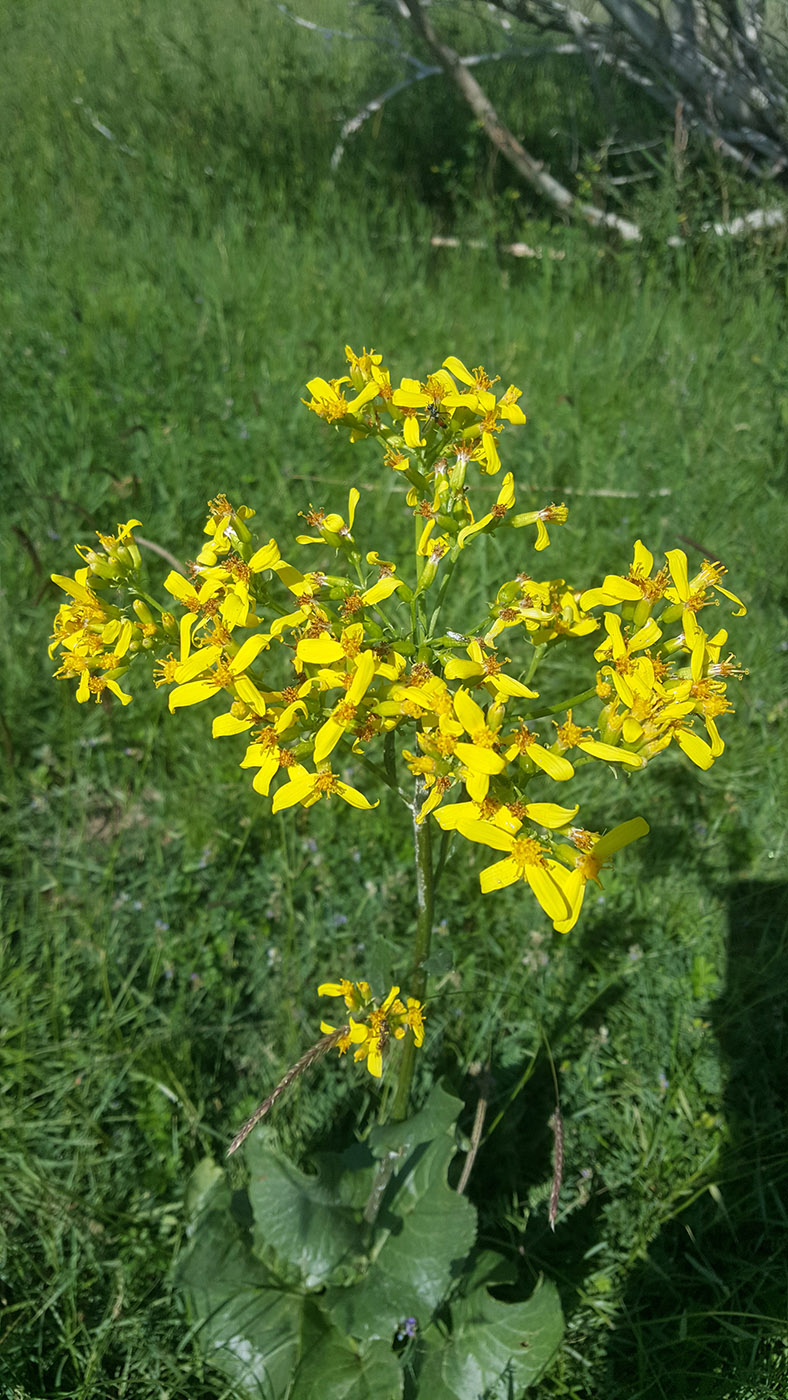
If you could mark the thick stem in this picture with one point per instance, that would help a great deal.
(417, 978)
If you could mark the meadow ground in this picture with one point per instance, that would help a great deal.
(167, 290)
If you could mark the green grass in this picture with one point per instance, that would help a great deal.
(162, 936)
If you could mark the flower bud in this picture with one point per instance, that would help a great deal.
(101, 567)
(507, 594)
(143, 612)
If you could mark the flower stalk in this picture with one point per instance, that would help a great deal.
(417, 977)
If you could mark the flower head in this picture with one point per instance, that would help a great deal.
(375, 1023)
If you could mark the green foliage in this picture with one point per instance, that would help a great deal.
(304, 1287)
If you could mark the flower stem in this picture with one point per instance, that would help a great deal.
(417, 978)
(563, 704)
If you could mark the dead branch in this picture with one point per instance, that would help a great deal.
(532, 171)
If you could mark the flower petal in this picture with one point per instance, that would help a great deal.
(498, 876)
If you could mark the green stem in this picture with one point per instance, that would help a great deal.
(563, 704)
(444, 584)
(384, 775)
(390, 759)
(417, 978)
(440, 864)
(146, 598)
(539, 651)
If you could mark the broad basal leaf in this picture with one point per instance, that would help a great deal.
(497, 1349)
(248, 1328)
(335, 1369)
(423, 1232)
(300, 1217)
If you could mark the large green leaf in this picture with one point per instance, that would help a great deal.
(300, 1217)
(248, 1327)
(424, 1231)
(334, 1369)
(498, 1349)
(349, 1175)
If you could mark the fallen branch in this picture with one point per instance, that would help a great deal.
(532, 171)
(375, 104)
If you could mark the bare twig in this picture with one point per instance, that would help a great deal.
(163, 554)
(757, 221)
(376, 104)
(357, 37)
(709, 62)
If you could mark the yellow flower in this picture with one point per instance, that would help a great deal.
(480, 757)
(478, 380)
(227, 529)
(326, 649)
(81, 592)
(328, 402)
(237, 575)
(333, 529)
(344, 714)
(308, 788)
(208, 671)
(423, 697)
(697, 750)
(488, 670)
(527, 860)
(591, 854)
(547, 814)
(198, 601)
(166, 669)
(372, 1034)
(618, 648)
(344, 1042)
(694, 594)
(356, 995)
(481, 400)
(383, 589)
(571, 735)
(266, 755)
(639, 587)
(628, 672)
(524, 743)
(364, 367)
(121, 553)
(96, 685)
(558, 515)
(94, 637)
(504, 502)
(412, 394)
(412, 1019)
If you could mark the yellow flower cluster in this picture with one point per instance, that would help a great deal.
(372, 1029)
(312, 664)
(96, 637)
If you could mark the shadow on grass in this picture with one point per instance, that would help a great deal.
(704, 1316)
(706, 1312)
